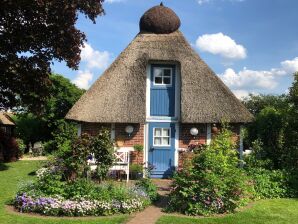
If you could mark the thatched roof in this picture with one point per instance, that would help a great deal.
(159, 19)
(5, 119)
(119, 94)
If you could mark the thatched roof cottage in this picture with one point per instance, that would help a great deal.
(6, 123)
(158, 93)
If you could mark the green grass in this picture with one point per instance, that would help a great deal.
(11, 175)
(275, 211)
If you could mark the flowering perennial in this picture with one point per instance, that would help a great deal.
(59, 206)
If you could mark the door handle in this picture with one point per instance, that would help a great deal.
(151, 149)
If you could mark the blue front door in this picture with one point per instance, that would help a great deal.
(161, 154)
(162, 90)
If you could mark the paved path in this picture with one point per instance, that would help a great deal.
(151, 214)
(34, 158)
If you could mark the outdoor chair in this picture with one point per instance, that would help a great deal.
(121, 162)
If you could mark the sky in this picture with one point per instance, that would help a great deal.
(252, 45)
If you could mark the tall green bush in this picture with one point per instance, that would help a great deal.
(268, 182)
(213, 183)
(103, 150)
(72, 155)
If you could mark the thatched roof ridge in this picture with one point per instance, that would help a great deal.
(159, 19)
(119, 95)
(5, 119)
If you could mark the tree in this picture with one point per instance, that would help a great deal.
(291, 130)
(30, 129)
(255, 103)
(32, 34)
(63, 97)
(269, 129)
(51, 124)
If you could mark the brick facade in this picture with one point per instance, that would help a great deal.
(93, 128)
(185, 138)
(122, 139)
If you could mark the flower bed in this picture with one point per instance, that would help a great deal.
(58, 206)
(66, 187)
(48, 195)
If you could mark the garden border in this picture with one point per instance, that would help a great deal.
(12, 210)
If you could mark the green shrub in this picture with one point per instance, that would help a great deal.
(147, 185)
(72, 156)
(138, 148)
(21, 146)
(258, 158)
(64, 131)
(103, 150)
(136, 171)
(213, 183)
(136, 168)
(80, 198)
(268, 182)
(271, 183)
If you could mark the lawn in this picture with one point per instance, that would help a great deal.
(276, 211)
(11, 175)
(263, 212)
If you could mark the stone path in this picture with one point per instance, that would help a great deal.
(34, 158)
(151, 214)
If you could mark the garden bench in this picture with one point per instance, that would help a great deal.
(121, 162)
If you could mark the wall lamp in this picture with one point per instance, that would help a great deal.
(129, 129)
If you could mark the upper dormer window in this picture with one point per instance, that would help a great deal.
(162, 76)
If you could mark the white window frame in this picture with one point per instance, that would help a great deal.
(161, 137)
(162, 76)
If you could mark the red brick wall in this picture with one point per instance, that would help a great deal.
(137, 137)
(93, 128)
(235, 128)
(122, 139)
(185, 138)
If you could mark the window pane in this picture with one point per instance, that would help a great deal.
(157, 72)
(166, 141)
(158, 80)
(167, 72)
(166, 80)
(165, 132)
(157, 141)
(157, 132)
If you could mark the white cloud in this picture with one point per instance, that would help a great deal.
(95, 58)
(83, 79)
(246, 79)
(201, 2)
(290, 66)
(240, 93)
(113, 1)
(222, 45)
(253, 81)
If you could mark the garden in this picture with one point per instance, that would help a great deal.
(66, 186)
(216, 181)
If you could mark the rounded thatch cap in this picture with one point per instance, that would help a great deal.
(159, 19)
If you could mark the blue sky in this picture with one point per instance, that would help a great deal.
(251, 44)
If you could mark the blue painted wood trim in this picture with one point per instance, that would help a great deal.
(162, 158)
(162, 98)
